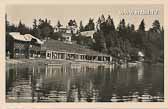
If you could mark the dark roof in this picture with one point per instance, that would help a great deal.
(56, 45)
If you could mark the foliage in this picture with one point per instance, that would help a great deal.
(120, 41)
(90, 25)
(46, 30)
(81, 27)
(85, 41)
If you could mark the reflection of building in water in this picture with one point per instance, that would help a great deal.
(52, 71)
(25, 84)
(140, 70)
(22, 88)
(63, 83)
(69, 80)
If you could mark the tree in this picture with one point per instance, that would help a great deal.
(45, 28)
(132, 28)
(10, 27)
(128, 28)
(142, 26)
(85, 41)
(114, 51)
(98, 24)
(121, 26)
(59, 24)
(156, 26)
(102, 24)
(6, 23)
(90, 25)
(72, 23)
(110, 24)
(81, 28)
(23, 29)
(35, 31)
(122, 31)
(35, 26)
(57, 36)
(100, 42)
(102, 19)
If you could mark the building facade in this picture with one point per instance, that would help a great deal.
(24, 46)
(56, 50)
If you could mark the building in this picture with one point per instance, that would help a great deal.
(67, 29)
(29, 47)
(53, 49)
(24, 46)
(67, 38)
(88, 33)
(66, 33)
(62, 30)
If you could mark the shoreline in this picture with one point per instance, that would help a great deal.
(52, 62)
(44, 62)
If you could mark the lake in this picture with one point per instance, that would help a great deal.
(84, 83)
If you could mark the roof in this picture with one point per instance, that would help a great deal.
(88, 33)
(25, 38)
(56, 45)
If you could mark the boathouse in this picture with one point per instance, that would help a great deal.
(53, 49)
(24, 46)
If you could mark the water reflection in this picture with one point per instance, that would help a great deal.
(84, 83)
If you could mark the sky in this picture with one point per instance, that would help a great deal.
(26, 13)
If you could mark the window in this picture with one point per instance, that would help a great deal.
(48, 54)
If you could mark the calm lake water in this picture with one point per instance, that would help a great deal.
(84, 83)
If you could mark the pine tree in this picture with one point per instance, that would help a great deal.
(142, 26)
(59, 24)
(110, 24)
(100, 41)
(45, 28)
(90, 25)
(122, 26)
(35, 31)
(156, 26)
(122, 30)
(132, 27)
(22, 28)
(98, 24)
(102, 18)
(81, 28)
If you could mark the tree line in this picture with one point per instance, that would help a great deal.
(122, 41)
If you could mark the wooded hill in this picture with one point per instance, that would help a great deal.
(121, 41)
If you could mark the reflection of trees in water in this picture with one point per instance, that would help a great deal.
(84, 84)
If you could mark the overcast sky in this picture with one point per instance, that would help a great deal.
(26, 13)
